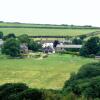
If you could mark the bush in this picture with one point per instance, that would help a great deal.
(52, 95)
(30, 94)
(45, 56)
(92, 56)
(89, 71)
(77, 41)
(24, 38)
(86, 82)
(69, 52)
(37, 55)
(73, 49)
(11, 47)
(34, 46)
(93, 89)
(9, 89)
(1, 35)
(10, 35)
(90, 47)
(72, 86)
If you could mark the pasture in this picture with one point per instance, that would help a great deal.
(47, 31)
(49, 73)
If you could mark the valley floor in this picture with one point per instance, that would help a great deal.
(47, 73)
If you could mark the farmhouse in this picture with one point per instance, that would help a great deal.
(48, 48)
(62, 47)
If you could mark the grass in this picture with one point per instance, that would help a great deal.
(47, 73)
(47, 32)
(45, 29)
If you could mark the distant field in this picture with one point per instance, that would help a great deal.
(50, 72)
(46, 31)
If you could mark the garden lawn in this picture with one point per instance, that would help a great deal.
(49, 73)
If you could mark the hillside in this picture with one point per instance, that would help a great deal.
(45, 29)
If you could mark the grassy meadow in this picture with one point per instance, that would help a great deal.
(47, 31)
(44, 29)
(47, 73)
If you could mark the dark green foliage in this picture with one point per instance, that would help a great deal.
(70, 81)
(34, 46)
(93, 89)
(30, 94)
(24, 38)
(9, 89)
(69, 52)
(82, 37)
(77, 41)
(55, 43)
(73, 49)
(72, 85)
(90, 47)
(11, 47)
(86, 82)
(19, 91)
(1, 35)
(89, 71)
(10, 35)
(52, 95)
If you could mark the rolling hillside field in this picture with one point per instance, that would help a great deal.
(49, 73)
(47, 32)
(44, 30)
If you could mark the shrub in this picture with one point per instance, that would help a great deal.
(1, 35)
(45, 56)
(69, 52)
(30, 94)
(52, 95)
(11, 47)
(72, 86)
(93, 89)
(90, 47)
(89, 71)
(9, 89)
(34, 46)
(10, 35)
(86, 81)
(24, 38)
(77, 41)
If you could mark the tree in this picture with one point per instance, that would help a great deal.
(55, 43)
(31, 94)
(82, 37)
(88, 71)
(24, 38)
(77, 41)
(1, 35)
(11, 47)
(10, 35)
(86, 81)
(9, 89)
(34, 46)
(90, 47)
(93, 88)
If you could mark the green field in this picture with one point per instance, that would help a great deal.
(49, 72)
(45, 29)
(47, 32)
